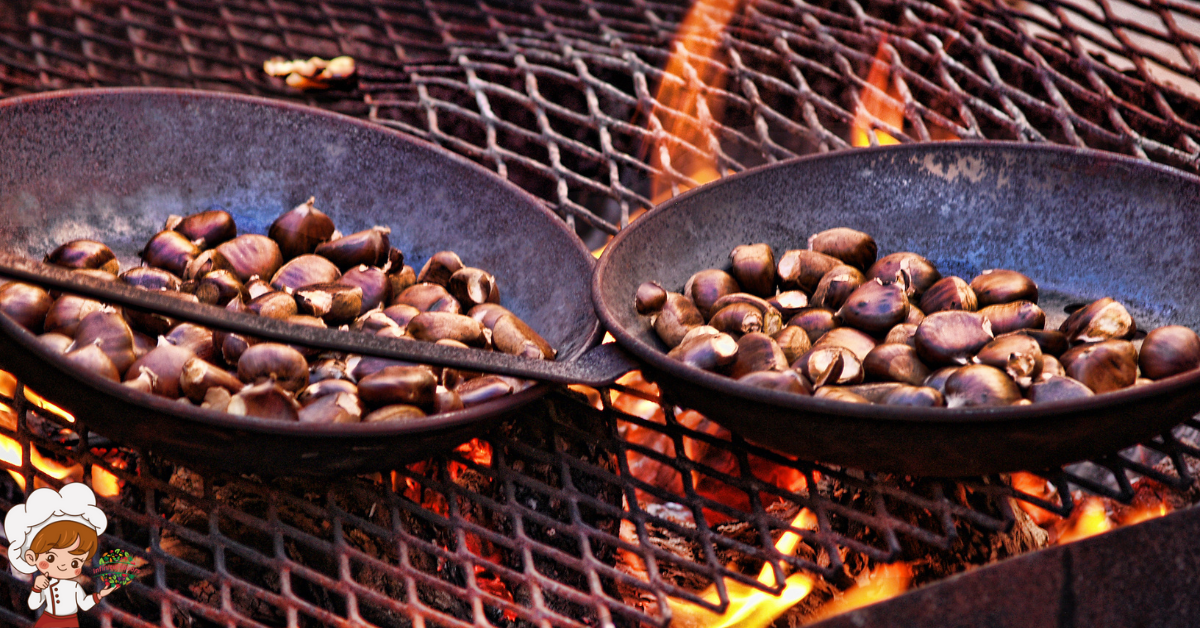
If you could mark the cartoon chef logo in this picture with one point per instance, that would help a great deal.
(54, 534)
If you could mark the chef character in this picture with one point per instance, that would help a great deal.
(54, 535)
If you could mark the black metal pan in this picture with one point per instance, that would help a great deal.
(1083, 224)
(111, 165)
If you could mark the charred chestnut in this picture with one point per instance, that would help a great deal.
(677, 316)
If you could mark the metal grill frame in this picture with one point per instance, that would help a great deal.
(561, 98)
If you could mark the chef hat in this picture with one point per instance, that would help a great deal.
(74, 502)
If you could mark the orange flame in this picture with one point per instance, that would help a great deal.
(1145, 513)
(748, 606)
(884, 582)
(873, 105)
(698, 38)
(1031, 484)
(1088, 519)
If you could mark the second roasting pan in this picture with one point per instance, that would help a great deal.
(111, 165)
(1082, 224)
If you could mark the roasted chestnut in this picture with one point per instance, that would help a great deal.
(950, 293)
(875, 307)
(107, 329)
(951, 337)
(376, 290)
(1103, 366)
(511, 335)
(471, 286)
(440, 267)
(921, 274)
(980, 385)
(1007, 317)
(206, 229)
(170, 250)
(92, 359)
(789, 303)
(428, 297)
(815, 321)
(26, 304)
(414, 385)
(197, 376)
(305, 270)
(368, 247)
(276, 305)
(300, 230)
(757, 352)
(754, 268)
(265, 400)
(251, 255)
(339, 407)
(677, 316)
(1104, 319)
(793, 341)
(151, 278)
(836, 286)
(1058, 388)
(275, 362)
(830, 366)
(331, 302)
(84, 254)
(852, 247)
(1017, 355)
(895, 363)
(914, 396)
(434, 326)
(737, 319)
(707, 350)
(786, 381)
(1003, 286)
(394, 412)
(649, 299)
(706, 286)
(482, 390)
(800, 269)
(1168, 351)
(857, 342)
(164, 365)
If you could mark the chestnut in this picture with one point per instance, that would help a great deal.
(270, 361)
(439, 268)
(1103, 319)
(401, 279)
(108, 329)
(326, 387)
(169, 250)
(164, 364)
(787, 381)
(394, 412)
(434, 326)
(980, 385)
(706, 350)
(482, 390)
(197, 376)
(207, 229)
(950, 293)
(921, 273)
(206, 262)
(265, 400)
(836, 287)
(256, 287)
(951, 337)
(830, 366)
(902, 334)
(1168, 351)
(1103, 366)
(855, 341)
(854, 248)
(793, 341)
(250, 255)
(368, 247)
(333, 303)
(706, 286)
(1006, 317)
(1017, 355)
(415, 385)
(873, 392)
(895, 363)
(428, 297)
(218, 287)
(26, 304)
(84, 254)
(800, 269)
(512, 335)
(754, 268)
(1051, 367)
(1052, 342)
(678, 315)
(649, 298)
(375, 321)
(471, 286)
(401, 314)
(772, 319)
(937, 379)
(914, 397)
(301, 229)
(1058, 388)
(276, 305)
(815, 321)
(341, 407)
(997, 286)
(92, 359)
(875, 307)
(836, 393)
(153, 323)
(789, 303)
(151, 278)
(737, 319)
(757, 352)
(373, 282)
(305, 270)
(446, 400)
(55, 342)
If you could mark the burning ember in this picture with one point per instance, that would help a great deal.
(880, 102)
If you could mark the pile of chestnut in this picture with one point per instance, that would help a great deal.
(835, 322)
(304, 272)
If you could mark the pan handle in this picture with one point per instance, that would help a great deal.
(597, 367)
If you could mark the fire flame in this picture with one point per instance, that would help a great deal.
(884, 582)
(748, 606)
(1089, 519)
(872, 105)
(1031, 484)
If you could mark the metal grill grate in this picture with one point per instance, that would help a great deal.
(562, 98)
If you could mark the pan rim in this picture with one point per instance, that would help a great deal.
(416, 427)
(659, 361)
